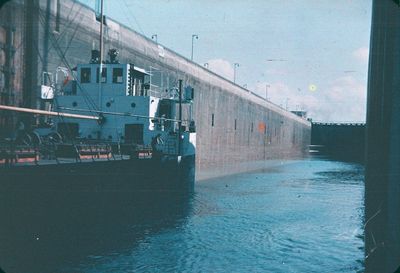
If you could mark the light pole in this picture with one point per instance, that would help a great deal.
(193, 36)
(266, 91)
(154, 37)
(235, 65)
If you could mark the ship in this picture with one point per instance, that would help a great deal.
(237, 130)
(103, 129)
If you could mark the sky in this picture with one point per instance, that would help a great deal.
(304, 54)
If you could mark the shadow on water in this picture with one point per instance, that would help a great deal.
(353, 176)
(48, 231)
(349, 155)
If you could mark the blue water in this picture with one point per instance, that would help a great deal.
(305, 216)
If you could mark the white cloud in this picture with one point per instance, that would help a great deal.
(346, 99)
(343, 100)
(276, 71)
(361, 54)
(280, 94)
(222, 68)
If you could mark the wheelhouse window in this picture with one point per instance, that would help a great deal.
(103, 75)
(85, 75)
(117, 75)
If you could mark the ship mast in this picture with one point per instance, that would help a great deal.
(101, 50)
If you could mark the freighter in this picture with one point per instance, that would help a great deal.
(103, 130)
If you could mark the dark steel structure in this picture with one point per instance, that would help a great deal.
(382, 185)
(344, 141)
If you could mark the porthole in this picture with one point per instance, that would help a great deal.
(74, 104)
(108, 104)
(133, 105)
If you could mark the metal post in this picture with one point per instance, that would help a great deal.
(180, 119)
(235, 65)
(101, 31)
(197, 37)
(287, 104)
(266, 91)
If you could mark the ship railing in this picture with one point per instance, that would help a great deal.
(93, 151)
(134, 150)
(140, 90)
(155, 91)
(140, 151)
(11, 154)
(159, 92)
(143, 152)
(84, 151)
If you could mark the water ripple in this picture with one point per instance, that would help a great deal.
(302, 217)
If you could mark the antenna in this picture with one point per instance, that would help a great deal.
(101, 31)
(101, 48)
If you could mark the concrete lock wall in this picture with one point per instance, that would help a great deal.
(263, 131)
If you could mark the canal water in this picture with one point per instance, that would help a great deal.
(302, 216)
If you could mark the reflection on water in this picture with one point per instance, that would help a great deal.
(52, 230)
(305, 216)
